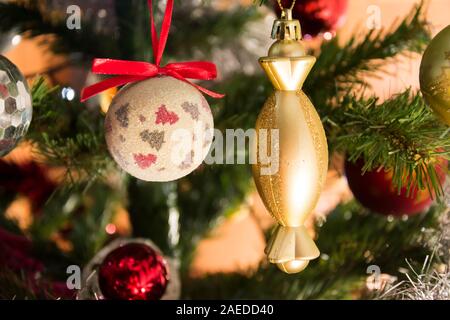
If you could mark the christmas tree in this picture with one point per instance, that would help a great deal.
(64, 198)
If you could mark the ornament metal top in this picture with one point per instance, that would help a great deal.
(15, 106)
(291, 193)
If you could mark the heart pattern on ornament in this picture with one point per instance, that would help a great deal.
(122, 115)
(192, 109)
(164, 116)
(144, 161)
(154, 138)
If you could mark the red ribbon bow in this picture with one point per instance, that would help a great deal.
(132, 71)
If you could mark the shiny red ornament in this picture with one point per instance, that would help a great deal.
(133, 271)
(316, 16)
(375, 191)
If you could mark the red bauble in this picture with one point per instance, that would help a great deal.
(375, 191)
(133, 271)
(316, 16)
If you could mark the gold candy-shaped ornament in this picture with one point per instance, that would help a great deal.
(291, 192)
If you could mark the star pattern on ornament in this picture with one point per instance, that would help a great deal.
(122, 115)
(192, 109)
(164, 116)
(144, 161)
(155, 138)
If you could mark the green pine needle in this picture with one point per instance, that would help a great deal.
(68, 134)
(401, 134)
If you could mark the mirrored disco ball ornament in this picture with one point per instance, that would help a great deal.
(15, 106)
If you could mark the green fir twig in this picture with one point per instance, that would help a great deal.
(401, 134)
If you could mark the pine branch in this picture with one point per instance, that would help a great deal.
(200, 44)
(68, 134)
(368, 239)
(401, 134)
(337, 71)
(134, 35)
(340, 68)
(80, 219)
(206, 195)
(14, 286)
(245, 96)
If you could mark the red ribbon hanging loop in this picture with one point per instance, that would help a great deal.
(132, 71)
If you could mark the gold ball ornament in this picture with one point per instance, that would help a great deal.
(435, 75)
(159, 129)
(291, 149)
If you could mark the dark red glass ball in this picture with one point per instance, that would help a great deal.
(133, 271)
(375, 190)
(316, 16)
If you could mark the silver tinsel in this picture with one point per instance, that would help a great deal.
(430, 283)
(438, 240)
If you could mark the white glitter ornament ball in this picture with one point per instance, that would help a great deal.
(15, 106)
(159, 129)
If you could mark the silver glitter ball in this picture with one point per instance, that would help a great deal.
(15, 106)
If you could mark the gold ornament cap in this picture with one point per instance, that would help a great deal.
(287, 64)
(287, 32)
(286, 28)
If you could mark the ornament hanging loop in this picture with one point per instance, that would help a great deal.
(283, 13)
(159, 43)
(126, 72)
